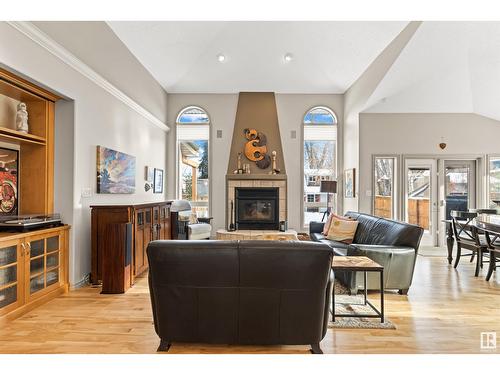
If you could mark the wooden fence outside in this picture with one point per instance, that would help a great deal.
(383, 206)
(418, 210)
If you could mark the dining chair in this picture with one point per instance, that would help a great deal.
(492, 239)
(467, 237)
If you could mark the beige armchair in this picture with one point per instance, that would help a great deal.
(186, 225)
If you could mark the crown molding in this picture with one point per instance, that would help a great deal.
(42, 39)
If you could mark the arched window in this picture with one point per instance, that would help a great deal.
(193, 180)
(320, 161)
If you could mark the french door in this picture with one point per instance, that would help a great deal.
(458, 189)
(421, 196)
(459, 186)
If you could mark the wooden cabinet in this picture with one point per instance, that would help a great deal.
(11, 275)
(150, 221)
(33, 266)
(164, 224)
(143, 236)
(36, 148)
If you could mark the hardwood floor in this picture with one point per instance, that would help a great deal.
(445, 312)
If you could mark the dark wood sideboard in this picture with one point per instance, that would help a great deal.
(150, 221)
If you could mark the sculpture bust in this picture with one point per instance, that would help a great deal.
(22, 118)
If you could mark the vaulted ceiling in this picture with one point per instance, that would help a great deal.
(327, 56)
(447, 67)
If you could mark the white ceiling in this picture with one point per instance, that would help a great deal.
(449, 67)
(328, 56)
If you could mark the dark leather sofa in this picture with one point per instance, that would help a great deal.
(240, 292)
(390, 243)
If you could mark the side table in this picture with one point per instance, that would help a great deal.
(365, 265)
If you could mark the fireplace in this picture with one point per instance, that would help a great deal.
(257, 208)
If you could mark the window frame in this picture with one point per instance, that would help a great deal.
(396, 176)
(335, 127)
(178, 189)
(186, 109)
(489, 157)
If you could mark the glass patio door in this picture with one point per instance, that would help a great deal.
(458, 190)
(459, 186)
(420, 203)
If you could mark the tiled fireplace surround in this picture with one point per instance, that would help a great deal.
(254, 180)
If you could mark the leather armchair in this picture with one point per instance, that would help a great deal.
(240, 292)
(390, 243)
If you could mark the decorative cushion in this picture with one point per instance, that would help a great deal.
(342, 230)
(327, 225)
(332, 216)
(189, 216)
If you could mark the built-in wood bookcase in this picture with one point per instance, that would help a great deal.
(36, 149)
(33, 265)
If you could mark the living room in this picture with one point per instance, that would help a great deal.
(247, 185)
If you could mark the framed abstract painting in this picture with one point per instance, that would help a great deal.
(350, 183)
(9, 172)
(115, 172)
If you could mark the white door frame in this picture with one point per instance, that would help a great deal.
(474, 188)
(481, 183)
(430, 236)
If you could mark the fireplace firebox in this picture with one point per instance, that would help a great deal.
(257, 208)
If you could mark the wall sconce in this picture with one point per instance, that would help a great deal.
(442, 145)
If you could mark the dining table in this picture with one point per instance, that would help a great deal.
(488, 222)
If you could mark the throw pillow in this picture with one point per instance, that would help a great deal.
(342, 230)
(326, 227)
(328, 222)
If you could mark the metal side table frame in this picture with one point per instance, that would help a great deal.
(365, 265)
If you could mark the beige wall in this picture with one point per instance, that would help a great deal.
(97, 118)
(98, 46)
(256, 110)
(420, 134)
(222, 111)
(357, 96)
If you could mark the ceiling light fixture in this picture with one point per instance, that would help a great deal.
(221, 57)
(288, 57)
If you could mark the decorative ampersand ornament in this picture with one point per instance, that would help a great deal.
(256, 149)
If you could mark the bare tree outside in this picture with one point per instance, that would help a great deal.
(383, 176)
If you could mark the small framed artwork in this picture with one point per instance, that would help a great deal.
(149, 174)
(350, 183)
(158, 181)
(9, 172)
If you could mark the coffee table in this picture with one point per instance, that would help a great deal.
(365, 265)
(289, 235)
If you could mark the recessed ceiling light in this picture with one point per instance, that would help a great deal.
(288, 57)
(221, 57)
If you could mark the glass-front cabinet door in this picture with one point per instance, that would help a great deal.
(11, 276)
(44, 257)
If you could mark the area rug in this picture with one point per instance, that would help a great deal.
(303, 237)
(354, 304)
